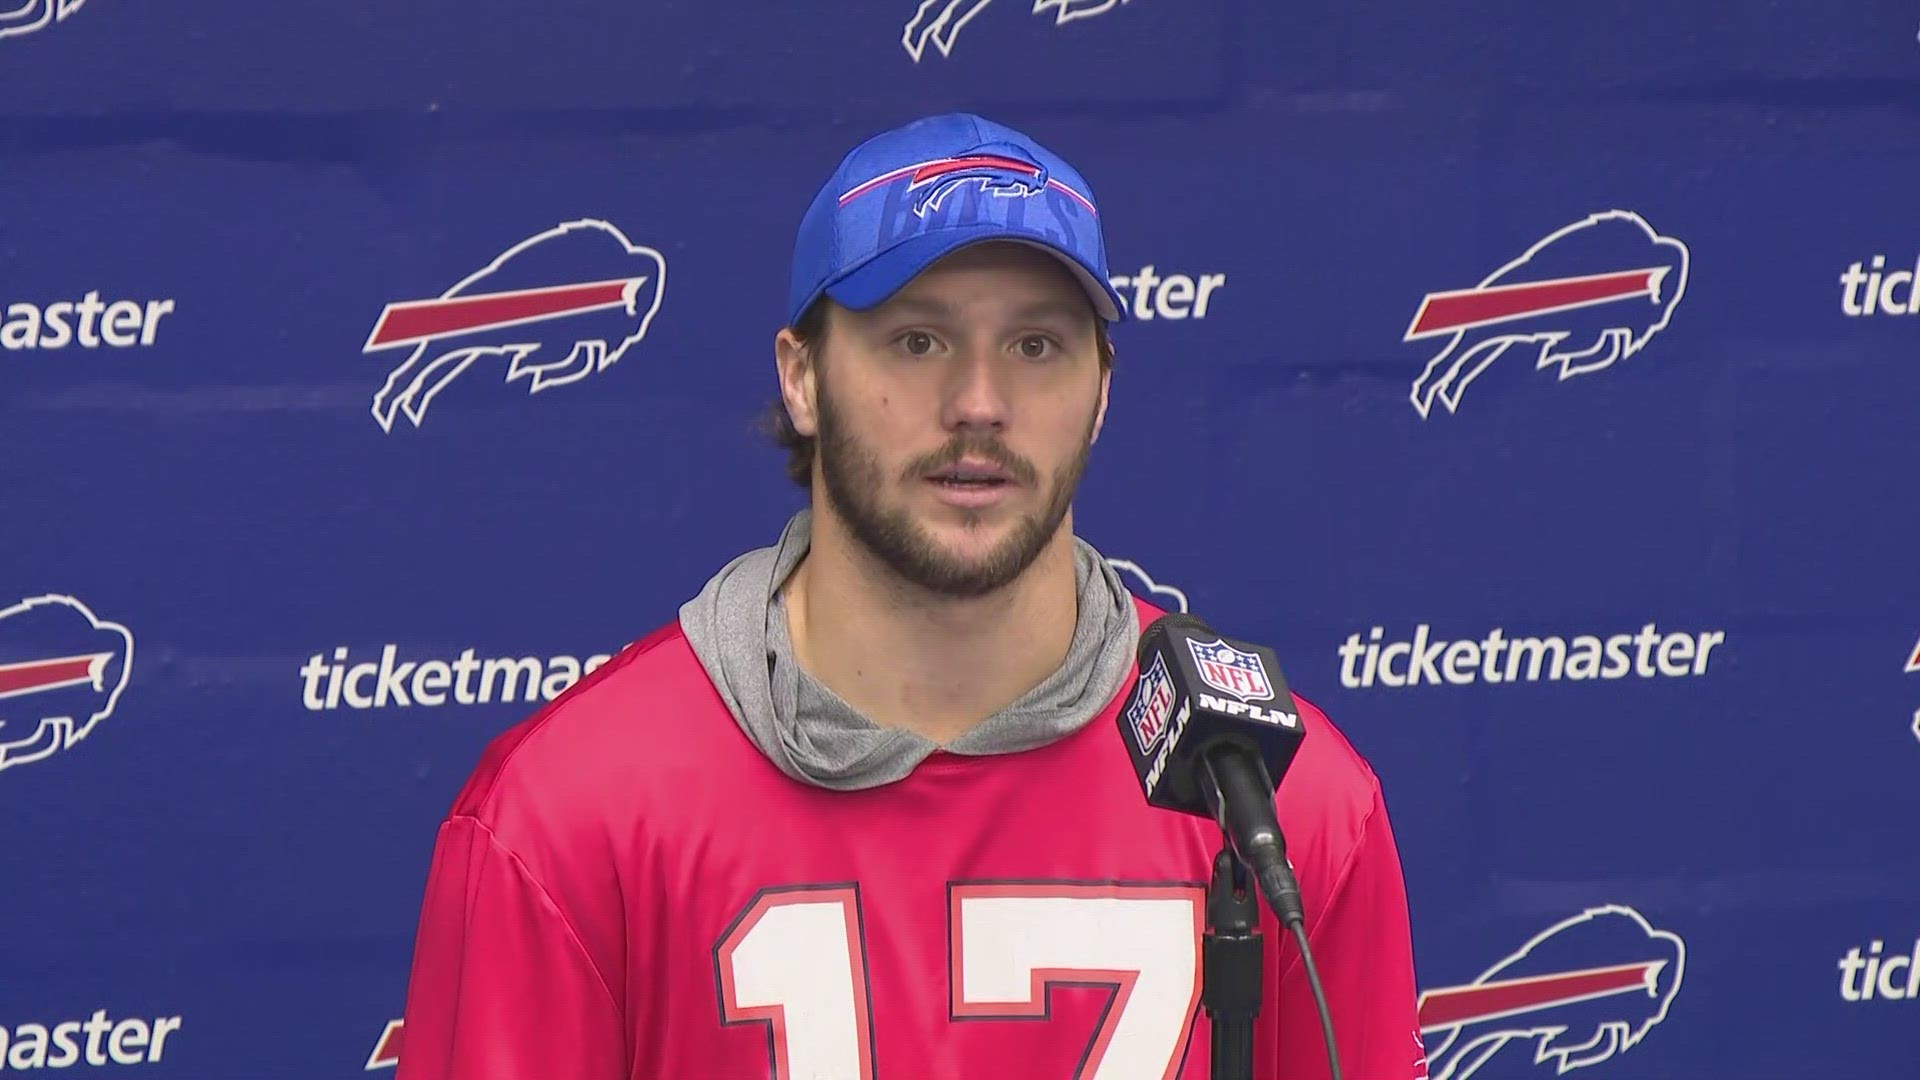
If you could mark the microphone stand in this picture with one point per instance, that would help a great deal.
(1230, 975)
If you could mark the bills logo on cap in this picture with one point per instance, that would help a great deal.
(1230, 670)
(1000, 175)
(1153, 706)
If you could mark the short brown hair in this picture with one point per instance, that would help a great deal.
(812, 332)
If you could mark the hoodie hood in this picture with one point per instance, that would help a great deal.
(737, 626)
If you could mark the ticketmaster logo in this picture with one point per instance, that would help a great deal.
(468, 679)
(1498, 658)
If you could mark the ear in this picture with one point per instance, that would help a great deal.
(1100, 418)
(798, 385)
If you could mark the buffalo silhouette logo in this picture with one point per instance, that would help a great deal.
(62, 669)
(1584, 297)
(1580, 993)
(558, 306)
(1166, 597)
(21, 17)
(938, 22)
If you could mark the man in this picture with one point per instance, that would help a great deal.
(862, 810)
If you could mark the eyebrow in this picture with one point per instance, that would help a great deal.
(940, 309)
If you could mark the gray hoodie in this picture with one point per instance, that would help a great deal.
(738, 628)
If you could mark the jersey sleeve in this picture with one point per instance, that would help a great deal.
(1363, 949)
(501, 987)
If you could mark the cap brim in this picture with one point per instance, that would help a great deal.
(873, 282)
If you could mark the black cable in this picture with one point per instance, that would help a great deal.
(1319, 995)
(1239, 779)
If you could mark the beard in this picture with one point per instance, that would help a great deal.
(855, 483)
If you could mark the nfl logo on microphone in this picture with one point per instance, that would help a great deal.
(1152, 706)
(1231, 671)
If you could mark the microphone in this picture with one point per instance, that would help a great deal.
(1212, 728)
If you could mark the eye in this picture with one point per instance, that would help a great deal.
(1036, 346)
(916, 342)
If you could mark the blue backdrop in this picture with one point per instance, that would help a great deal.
(1538, 380)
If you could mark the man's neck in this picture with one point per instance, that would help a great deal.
(933, 665)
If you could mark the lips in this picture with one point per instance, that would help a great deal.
(970, 483)
(971, 473)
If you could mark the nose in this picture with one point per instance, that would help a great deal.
(976, 394)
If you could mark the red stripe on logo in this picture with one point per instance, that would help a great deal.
(1445, 312)
(412, 321)
(33, 676)
(1454, 1006)
(937, 169)
(386, 1052)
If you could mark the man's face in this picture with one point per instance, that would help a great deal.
(954, 421)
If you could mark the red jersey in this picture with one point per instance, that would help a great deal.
(628, 888)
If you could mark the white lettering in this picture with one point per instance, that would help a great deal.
(510, 670)
(1432, 660)
(67, 1051)
(1424, 656)
(29, 1050)
(1894, 977)
(118, 324)
(1175, 297)
(121, 324)
(162, 1027)
(1887, 989)
(1866, 290)
(1583, 659)
(129, 1042)
(1168, 296)
(1387, 677)
(107, 1041)
(1166, 748)
(1467, 652)
(430, 682)
(1208, 283)
(1618, 662)
(1249, 710)
(155, 309)
(356, 698)
(1707, 642)
(1676, 652)
(1537, 648)
(392, 684)
(402, 682)
(562, 672)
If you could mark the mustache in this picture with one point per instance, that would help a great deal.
(985, 447)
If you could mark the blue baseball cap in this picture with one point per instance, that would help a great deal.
(907, 198)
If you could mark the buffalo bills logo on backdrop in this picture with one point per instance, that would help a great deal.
(559, 306)
(62, 669)
(1913, 665)
(999, 175)
(27, 16)
(939, 22)
(1589, 294)
(386, 1049)
(1231, 671)
(1167, 597)
(1580, 993)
